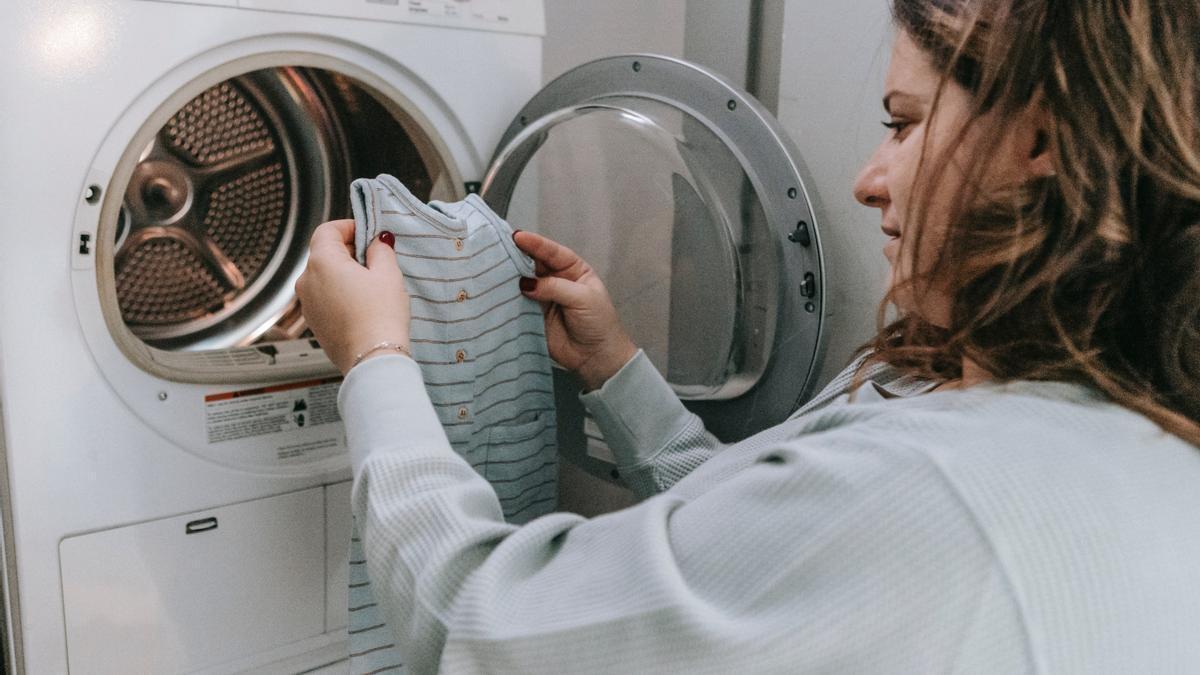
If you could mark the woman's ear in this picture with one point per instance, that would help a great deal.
(1040, 141)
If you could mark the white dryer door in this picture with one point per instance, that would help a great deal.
(686, 196)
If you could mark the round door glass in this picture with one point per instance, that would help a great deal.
(665, 212)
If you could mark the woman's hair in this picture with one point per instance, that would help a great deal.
(1091, 275)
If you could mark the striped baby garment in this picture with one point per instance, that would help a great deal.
(482, 350)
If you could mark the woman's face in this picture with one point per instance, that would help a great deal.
(887, 182)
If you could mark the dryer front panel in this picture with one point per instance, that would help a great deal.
(684, 195)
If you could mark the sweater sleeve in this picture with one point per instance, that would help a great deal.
(655, 440)
(825, 553)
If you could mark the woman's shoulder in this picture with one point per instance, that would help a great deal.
(1036, 462)
(1027, 413)
(1019, 438)
(1021, 417)
(1062, 483)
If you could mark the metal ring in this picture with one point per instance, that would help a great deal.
(778, 178)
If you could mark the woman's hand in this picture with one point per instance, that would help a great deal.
(582, 328)
(351, 308)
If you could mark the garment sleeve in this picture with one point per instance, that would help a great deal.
(823, 555)
(655, 440)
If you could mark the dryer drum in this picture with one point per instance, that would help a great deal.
(219, 208)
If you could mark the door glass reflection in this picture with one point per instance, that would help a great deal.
(667, 216)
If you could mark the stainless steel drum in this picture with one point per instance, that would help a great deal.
(220, 206)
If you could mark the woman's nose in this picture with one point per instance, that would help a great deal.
(870, 188)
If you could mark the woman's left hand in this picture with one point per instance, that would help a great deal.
(351, 308)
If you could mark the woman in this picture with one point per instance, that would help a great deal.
(1007, 480)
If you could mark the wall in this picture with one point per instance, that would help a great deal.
(717, 36)
(578, 31)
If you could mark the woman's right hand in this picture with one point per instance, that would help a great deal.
(582, 328)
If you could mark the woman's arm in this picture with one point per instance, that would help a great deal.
(655, 440)
(802, 560)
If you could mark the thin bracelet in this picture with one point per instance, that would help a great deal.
(382, 345)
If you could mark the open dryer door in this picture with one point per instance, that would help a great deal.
(687, 198)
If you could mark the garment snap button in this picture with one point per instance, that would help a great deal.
(458, 244)
(460, 355)
(462, 413)
(462, 296)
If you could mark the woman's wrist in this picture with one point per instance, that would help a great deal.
(366, 347)
(602, 366)
(382, 348)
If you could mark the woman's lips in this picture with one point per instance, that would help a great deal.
(891, 248)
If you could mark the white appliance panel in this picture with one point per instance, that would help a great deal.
(337, 554)
(506, 16)
(196, 590)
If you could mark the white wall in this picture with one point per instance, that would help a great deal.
(717, 36)
(578, 31)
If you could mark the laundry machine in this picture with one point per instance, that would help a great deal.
(175, 487)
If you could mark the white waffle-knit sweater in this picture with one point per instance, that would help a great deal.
(1028, 527)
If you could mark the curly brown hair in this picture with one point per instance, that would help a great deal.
(1091, 275)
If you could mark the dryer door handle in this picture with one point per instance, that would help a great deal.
(201, 525)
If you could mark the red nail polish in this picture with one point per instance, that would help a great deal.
(388, 238)
(527, 284)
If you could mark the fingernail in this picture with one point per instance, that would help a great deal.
(527, 284)
(515, 234)
(388, 238)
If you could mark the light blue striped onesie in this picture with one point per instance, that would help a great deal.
(482, 350)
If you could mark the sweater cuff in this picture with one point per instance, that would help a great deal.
(637, 411)
(385, 408)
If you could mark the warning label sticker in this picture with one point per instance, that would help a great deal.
(249, 413)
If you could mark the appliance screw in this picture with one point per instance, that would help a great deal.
(792, 193)
(92, 194)
(162, 395)
(637, 66)
(732, 105)
(810, 308)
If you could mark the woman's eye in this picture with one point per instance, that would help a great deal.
(897, 126)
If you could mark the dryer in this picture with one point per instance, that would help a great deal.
(175, 488)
